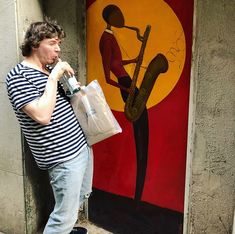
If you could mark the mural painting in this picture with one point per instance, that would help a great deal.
(140, 53)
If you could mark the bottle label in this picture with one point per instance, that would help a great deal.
(73, 82)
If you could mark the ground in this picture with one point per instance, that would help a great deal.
(92, 228)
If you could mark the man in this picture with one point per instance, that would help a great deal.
(48, 122)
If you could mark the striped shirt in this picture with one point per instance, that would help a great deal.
(60, 140)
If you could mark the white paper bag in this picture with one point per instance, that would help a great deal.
(93, 113)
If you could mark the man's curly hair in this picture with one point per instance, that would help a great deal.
(38, 31)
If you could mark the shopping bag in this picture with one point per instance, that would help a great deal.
(93, 113)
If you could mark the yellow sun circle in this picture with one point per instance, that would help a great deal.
(166, 37)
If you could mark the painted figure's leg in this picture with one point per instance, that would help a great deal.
(141, 134)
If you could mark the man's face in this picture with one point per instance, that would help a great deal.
(48, 50)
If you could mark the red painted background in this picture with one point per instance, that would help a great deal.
(115, 160)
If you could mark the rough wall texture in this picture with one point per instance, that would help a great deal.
(28, 11)
(211, 198)
(11, 174)
(71, 15)
(16, 197)
(25, 195)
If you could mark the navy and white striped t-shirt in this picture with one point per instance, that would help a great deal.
(62, 139)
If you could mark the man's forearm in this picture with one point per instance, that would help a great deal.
(41, 109)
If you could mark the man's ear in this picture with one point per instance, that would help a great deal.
(34, 48)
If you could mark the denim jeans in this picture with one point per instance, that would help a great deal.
(71, 182)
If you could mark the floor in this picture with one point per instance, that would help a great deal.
(92, 228)
(111, 214)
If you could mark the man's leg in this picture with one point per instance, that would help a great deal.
(66, 181)
(86, 188)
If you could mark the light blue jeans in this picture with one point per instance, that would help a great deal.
(71, 182)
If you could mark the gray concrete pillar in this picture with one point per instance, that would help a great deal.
(210, 187)
(19, 212)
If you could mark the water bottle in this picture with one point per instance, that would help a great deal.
(71, 83)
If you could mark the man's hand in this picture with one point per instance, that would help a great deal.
(59, 69)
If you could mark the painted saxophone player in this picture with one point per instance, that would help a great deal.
(135, 99)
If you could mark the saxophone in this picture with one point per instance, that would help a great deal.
(136, 103)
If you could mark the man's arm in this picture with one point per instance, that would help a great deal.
(42, 108)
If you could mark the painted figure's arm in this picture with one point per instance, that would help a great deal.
(125, 62)
(106, 54)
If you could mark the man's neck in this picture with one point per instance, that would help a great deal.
(33, 62)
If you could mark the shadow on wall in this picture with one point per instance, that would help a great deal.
(39, 199)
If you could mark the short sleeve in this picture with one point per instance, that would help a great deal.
(21, 91)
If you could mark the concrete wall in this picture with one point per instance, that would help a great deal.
(25, 195)
(15, 17)
(11, 173)
(210, 191)
(71, 15)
